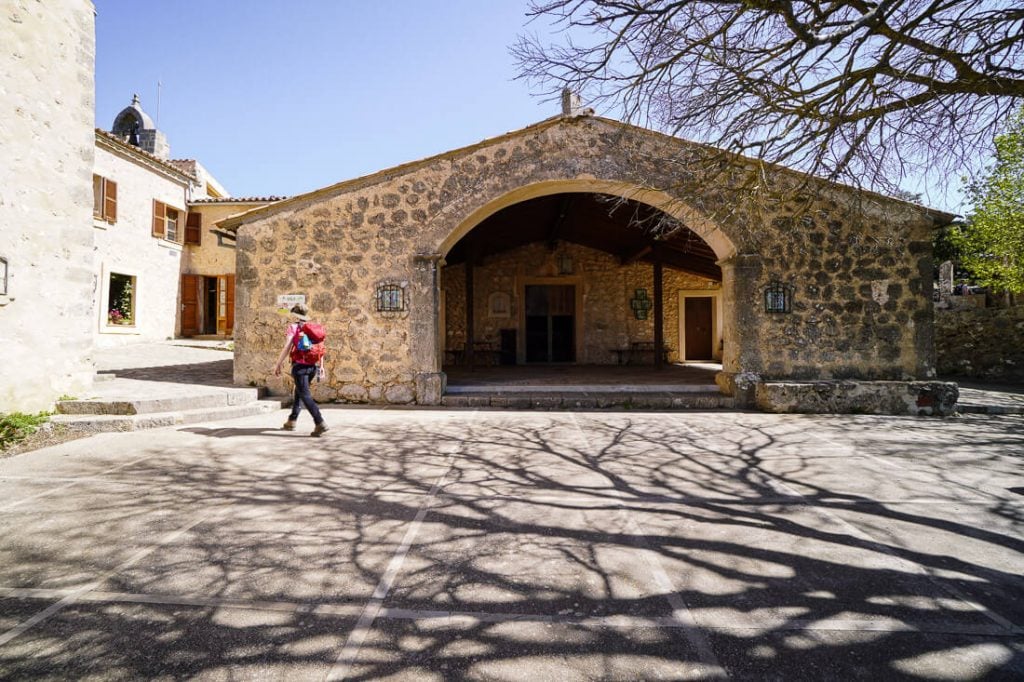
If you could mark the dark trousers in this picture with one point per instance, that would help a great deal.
(303, 374)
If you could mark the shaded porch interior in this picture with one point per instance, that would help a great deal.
(581, 289)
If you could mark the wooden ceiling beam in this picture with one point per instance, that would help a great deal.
(689, 264)
(564, 206)
(635, 254)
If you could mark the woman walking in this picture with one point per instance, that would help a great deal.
(307, 363)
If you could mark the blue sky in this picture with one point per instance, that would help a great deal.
(287, 96)
(278, 97)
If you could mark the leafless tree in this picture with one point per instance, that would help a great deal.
(857, 91)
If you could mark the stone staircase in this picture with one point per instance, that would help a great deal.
(121, 404)
(589, 397)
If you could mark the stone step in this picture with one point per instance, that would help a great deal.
(593, 400)
(95, 423)
(505, 389)
(971, 408)
(157, 405)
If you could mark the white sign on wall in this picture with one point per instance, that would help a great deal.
(286, 301)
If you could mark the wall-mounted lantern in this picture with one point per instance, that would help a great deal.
(565, 264)
(640, 304)
(778, 297)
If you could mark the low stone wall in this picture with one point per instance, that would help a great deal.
(858, 397)
(986, 343)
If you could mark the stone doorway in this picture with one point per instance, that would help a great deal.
(550, 322)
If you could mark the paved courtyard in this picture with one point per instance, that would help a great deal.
(494, 545)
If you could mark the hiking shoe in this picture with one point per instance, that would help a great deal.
(289, 425)
(319, 429)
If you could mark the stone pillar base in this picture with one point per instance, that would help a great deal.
(740, 385)
(430, 386)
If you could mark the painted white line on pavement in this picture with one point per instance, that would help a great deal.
(597, 499)
(138, 556)
(76, 594)
(350, 652)
(51, 491)
(100, 477)
(915, 568)
(743, 622)
(69, 479)
(708, 665)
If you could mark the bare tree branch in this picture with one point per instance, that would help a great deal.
(859, 91)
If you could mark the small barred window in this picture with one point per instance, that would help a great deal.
(390, 298)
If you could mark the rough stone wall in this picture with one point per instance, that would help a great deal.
(47, 141)
(862, 305)
(860, 270)
(127, 247)
(607, 320)
(984, 343)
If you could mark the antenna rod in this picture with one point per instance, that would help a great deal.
(158, 86)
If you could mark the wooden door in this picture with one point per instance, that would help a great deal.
(191, 286)
(550, 323)
(697, 314)
(230, 319)
(225, 304)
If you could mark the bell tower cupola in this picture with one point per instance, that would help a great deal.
(134, 126)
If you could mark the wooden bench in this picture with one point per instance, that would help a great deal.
(639, 353)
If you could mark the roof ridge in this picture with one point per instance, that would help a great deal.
(166, 163)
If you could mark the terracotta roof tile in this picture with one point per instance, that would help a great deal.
(184, 165)
(239, 200)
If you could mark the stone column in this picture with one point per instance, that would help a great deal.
(424, 316)
(945, 282)
(659, 316)
(742, 361)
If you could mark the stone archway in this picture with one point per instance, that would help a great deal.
(713, 237)
(711, 233)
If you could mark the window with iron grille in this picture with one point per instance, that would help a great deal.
(390, 298)
(778, 298)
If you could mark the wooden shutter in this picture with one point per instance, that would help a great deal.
(110, 201)
(190, 290)
(230, 321)
(159, 218)
(193, 228)
(222, 304)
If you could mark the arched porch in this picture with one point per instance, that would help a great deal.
(585, 291)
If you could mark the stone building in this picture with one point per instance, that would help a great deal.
(575, 241)
(163, 269)
(578, 240)
(206, 293)
(146, 264)
(46, 244)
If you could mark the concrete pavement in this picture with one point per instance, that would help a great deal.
(434, 544)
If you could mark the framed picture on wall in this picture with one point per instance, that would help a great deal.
(499, 304)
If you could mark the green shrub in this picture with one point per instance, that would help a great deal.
(16, 426)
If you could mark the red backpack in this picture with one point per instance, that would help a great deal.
(309, 350)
